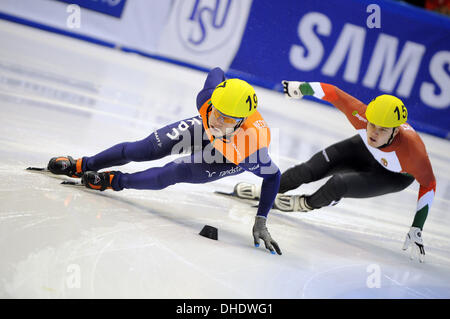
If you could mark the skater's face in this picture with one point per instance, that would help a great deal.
(221, 125)
(379, 135)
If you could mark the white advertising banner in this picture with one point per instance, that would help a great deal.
(206, 33)
(133, 23)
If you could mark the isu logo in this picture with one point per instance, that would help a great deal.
(384, 162)
(207, 25)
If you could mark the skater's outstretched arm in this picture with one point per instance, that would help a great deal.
(353, 108)
(420, 167)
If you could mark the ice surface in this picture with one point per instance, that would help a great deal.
(62, 96)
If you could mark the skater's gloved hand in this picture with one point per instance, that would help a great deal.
(414, 239)
(292, 89)
(260, 232)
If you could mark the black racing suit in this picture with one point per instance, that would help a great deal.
(355, 173)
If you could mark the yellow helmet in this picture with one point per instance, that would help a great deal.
(235, 98)
(386, 111)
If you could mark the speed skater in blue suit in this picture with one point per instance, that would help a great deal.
(227, 138)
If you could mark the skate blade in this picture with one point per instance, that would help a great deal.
(232, 195)
(72, 183)
(45, 171)
(38, 169)
(226, 194)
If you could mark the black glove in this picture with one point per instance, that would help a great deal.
(260, 232)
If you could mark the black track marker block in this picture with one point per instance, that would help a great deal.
(209, 232)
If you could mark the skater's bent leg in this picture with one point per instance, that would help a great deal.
(317, 167)
(183, 170)
(154, 178)
(346, 155)
(303, 173)
(333, 190)
(123, 153)
(358, 185)
(157, 145)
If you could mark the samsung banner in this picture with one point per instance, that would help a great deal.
(366, 48)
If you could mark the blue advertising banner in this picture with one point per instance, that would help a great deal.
(365, 48)
(110, 7)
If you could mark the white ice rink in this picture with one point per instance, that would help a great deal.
(60, 96)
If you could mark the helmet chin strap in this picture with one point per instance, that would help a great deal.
(389, 141)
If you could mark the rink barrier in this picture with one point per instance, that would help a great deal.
(424, 120)
(40, 26)
(44, 27)
(231, 73)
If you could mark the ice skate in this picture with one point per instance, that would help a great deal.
(65, 165)
(292, 203)
(98, 180)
